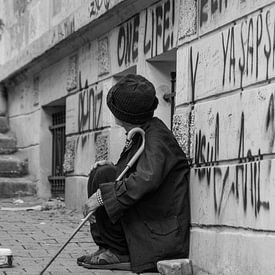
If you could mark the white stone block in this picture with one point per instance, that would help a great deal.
(148, 34)
(53, 82)
(124, 46)
(85, 153)
(213, 14)
(175, 267)
(75, 192)
(238, 195)
(232, 251)
(91, 147)
(88, 64)
(183, 83)
(161, 28)
(26, 128)
(187, 19)
(72, 74)
(232, 58)
(236, 126)
(104, 62)
(87, 110)
(32, 155)
(22, 98)
(183, 125)
(91, 10)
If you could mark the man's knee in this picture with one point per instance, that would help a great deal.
(106, 171)
(101, 174)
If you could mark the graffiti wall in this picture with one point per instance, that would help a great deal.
(233, 138)
(241, 55)
(87, 118)
(225, 98)
(149, 33)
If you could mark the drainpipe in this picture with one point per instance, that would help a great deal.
(171, 96)
(3, 100)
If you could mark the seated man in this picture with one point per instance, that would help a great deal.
(144, 217)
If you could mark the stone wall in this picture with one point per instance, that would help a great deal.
(225, 86)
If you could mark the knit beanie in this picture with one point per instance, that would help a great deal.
(132, 99)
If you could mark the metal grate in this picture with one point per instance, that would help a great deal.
(57, 179)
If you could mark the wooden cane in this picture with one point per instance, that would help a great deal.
(65, 244)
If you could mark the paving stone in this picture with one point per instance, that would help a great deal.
(39, 253)
(34, 244)
(175, 267)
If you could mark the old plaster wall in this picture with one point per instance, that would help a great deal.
(30, 106)
(225, 95)
(24, 120)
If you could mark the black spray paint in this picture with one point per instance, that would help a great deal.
(90, 101)
(127, 43)
(207, 155)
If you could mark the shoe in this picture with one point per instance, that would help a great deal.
(108, 260)
(84, 258)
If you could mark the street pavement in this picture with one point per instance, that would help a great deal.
(35, 236)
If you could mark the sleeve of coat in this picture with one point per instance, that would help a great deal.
(152, 168)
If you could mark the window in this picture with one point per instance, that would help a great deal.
(57, 179)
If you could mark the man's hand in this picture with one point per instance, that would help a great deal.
(90, 206)
(100, 163)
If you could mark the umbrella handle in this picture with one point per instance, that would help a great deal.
(130, 135)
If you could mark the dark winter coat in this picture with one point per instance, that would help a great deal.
(152, 201)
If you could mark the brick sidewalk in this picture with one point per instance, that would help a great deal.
(35, 236)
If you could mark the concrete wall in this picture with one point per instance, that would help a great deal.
(225, 94)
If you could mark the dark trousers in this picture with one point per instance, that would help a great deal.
(104, 232)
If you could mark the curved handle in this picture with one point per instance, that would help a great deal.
(130, 135)
(140, 149)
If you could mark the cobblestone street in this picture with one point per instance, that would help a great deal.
(35, 236)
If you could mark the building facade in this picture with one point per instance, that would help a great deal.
(213, 66)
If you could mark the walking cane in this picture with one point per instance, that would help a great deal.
(130, 135)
